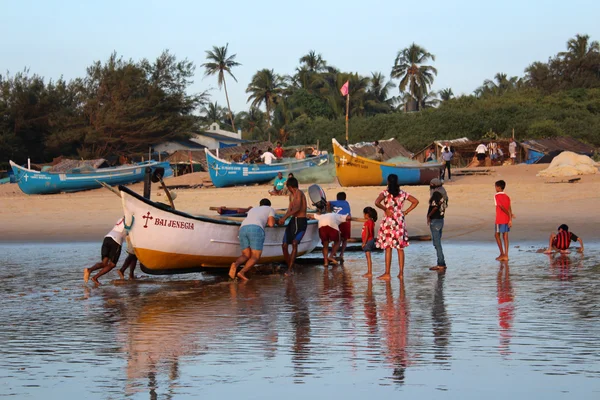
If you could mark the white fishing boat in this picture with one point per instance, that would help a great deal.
(168, 241)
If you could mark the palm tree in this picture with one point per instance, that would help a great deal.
(500, 85)
(580, 47)
(219, 63)
(264, 88)
(313, 62)
(378, 92)
(409, 68)
(446, 94)
(212, 112)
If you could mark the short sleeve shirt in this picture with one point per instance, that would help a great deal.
(502, 199)
(280, 183)
(268, 157)
(340, 207)
(331, 219)
(279, 152)
(368, 230)
(441, 209)
(118, 231)
(259, 216)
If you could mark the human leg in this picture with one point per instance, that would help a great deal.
(334, 248)
(506, 244)
(103, 271)
(401, 263)
(245, 256)
(254, 257)
(325, 244)
(369, 265)
(499, 243)
(436, 226)
(388, 265)
(449, 171)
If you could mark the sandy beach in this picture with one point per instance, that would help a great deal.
(539, 207)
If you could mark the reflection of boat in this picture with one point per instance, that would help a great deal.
(224, 173)
(168, 241)
(85, 178)
(354, 170)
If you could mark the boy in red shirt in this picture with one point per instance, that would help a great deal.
(279, 151)
(504, 217)
(368, 237)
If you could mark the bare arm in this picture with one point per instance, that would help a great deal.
(580, 245)
(549, 250)
(295, 206)
(413, 204)
(271, 222)
(433, 210)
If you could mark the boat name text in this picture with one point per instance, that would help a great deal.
(169, 223)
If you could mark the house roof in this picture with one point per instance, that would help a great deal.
(189, 143)
(557, 145)
(220, 137)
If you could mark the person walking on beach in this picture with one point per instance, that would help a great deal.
(561, 241)
(435, 220)
(447, 156)
(392, 232)
(512, 150)
(368, 237)
(297, 225)
(252, 237)
(110, 252)
(329, 231)
(504, 217)
(341, 206)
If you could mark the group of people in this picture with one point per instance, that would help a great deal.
(495, 153)
(256, 156)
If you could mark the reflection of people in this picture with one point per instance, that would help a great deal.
(435, 220)
(252, 237)
(341, 206)
(561, 241)
(396, 330)
(440, 321)
(504, 217)
(300, 324)
(278, 185)
(392, 232)
(111, 250)
(506, 306)
(296, 226)
(368, 237)
(329, 231)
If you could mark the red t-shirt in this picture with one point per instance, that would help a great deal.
(501, 199)
(368, 231)
(279, 152)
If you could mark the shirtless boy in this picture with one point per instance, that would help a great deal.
(298, 223)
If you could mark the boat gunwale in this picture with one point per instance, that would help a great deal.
(119, 168)
(322, 156)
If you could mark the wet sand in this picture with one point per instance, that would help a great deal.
(523, 329)
(539, 207)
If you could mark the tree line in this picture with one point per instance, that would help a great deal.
(121, 106)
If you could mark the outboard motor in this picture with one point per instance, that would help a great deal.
(318, 198)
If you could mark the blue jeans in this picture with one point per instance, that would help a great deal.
(436, 226)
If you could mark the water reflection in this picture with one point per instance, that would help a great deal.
(395, 317)
(506, 307)
(300, 322)
(440, 322)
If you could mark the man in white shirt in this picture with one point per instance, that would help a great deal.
(252, 237)
(268, 156)
(111, 251)
(329, 231)
(512, 149)
(480, 151)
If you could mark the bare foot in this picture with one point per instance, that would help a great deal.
(367, 275)
(503, 258)
(132, 277)
(384, 277)
(232, 270)
(332, 261)
(86, 275)
(242, 276)
(400, 275)
(289, 273)
(121, 274)
(325, 265)
(499, 258)
(95, 280)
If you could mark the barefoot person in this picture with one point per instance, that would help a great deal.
(368, 237)
(329, 231)
(392, 232)
(111, 250)
(297, 225)
(561, 241)
(278, 185)
(435, 220)
(130, 261)
(252, 237)
(341, 206)
(504, 217)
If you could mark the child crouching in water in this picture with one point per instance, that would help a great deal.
(368, 237)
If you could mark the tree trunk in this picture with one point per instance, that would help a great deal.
(228, 106)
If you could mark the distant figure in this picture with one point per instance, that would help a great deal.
(341, 206)
(392, 232)
(297, 225)
(110, 253)
(278, 185)
(481, 151)
(300, 155)
(512, 150)
(493, 150)
(253, 156)
(378, 151)
(430, 155)
(329, 231)
(252, 237)
(368, 237)
(268, 156)
(435, 220)
(279, 151)
(561, 241)
(504, 217)
(245, 157)
(258, 159)
(447, 156)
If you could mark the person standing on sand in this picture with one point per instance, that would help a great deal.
(252, 237)
(504, 217)
(447, 156)
(480, 151)
(368, 237)
(392, 232)
(512, 150)
(110, 253)
(297, 225)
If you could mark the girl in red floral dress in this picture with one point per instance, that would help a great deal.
(392, 232)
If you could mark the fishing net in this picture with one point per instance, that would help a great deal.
(568, 163)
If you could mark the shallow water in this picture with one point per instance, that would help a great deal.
(526, 330)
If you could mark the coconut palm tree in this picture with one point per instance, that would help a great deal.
(313, 62)
(219, 63)
(580, 47)
(264, 88)
(446, 94)
(212, 112)
(410, 69)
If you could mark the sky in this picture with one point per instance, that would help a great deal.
(472, 40)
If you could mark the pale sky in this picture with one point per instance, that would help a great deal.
(472, 40)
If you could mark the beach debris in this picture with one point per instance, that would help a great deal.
(568, 163)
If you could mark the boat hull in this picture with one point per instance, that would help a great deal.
(224, 173)
(353, 170)
(36, 182)
(167, 241)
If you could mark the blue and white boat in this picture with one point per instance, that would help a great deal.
(48, 182)
(224, 173)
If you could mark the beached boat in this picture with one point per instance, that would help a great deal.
(353, 170)
(168, 241)
(224, 173)
(48, 182)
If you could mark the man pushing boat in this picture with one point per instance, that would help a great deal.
(297, 226)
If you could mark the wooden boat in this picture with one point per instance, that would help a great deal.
(168, 241)
(45, 182)
(353, 170)
(224, 173)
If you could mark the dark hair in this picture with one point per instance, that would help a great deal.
(253, 147)
(292, 182)
(341, 196)
(501, 184)
(376, 142)
(290, 175)
(393, 186)
(278, 142)
(270, 149)
(564, 227)
(247, 151)
(370, 211)
(265, 202)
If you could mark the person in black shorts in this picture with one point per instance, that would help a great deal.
(297, 225)
(111, 250)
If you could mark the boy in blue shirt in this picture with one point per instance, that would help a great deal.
(341, 206)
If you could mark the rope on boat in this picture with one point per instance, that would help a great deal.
(128, 227)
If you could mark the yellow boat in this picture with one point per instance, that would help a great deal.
(353, 170)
